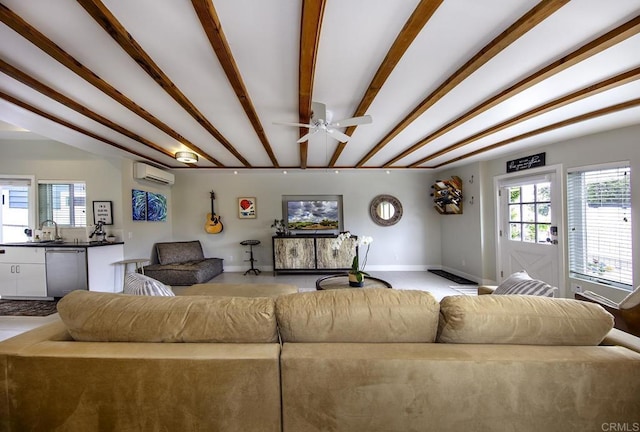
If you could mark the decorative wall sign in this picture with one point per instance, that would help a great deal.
(533, 161)
(247, 208)
(102, 212)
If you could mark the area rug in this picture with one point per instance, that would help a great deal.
(457, 279)
(28, 307)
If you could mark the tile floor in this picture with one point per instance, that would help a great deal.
(425, 281)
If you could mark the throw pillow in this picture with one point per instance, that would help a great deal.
(532, 287)
(138, 284)
(520, 283)
(632, 300)
(511, 281)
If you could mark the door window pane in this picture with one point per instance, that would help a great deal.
(514, 213)
(515, 231)
(534, 211)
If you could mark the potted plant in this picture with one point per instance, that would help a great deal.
(280, 227)
(356, 273)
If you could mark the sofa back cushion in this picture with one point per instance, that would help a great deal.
(178, 252)
(106, 317)
(522, 320)
(358, 315)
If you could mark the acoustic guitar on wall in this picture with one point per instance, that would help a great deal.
(213, 225)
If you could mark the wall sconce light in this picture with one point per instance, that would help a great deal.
(186, 157)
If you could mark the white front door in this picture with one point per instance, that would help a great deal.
(529, 226)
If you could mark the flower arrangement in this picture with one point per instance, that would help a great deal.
(357, 273)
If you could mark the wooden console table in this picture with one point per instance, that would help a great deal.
(311, 254)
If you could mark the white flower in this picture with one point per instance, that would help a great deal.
(336, 243)
(365, 240)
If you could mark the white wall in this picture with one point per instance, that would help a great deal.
(412, 244)
(50, 160)
(611, 146)
(462, 233)
(140, 236)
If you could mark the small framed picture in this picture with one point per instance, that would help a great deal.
(102, 212)
(247, 208)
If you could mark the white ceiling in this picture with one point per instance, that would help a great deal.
(355, 37)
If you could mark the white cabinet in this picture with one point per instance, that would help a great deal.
(103, 272)
(22, 272)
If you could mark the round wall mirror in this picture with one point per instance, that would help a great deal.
(385, 210)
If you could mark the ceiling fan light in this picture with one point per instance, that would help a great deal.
(186, 157)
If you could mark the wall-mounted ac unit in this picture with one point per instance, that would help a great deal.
(147, 172)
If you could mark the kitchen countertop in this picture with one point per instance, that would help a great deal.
(64, 244)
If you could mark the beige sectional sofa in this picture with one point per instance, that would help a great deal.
(345, 360)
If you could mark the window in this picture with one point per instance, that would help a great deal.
(64, 203)
(599, 216)
(530, 212)
(18, 197)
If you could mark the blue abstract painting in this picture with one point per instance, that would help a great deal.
(156, 207)
(139, 205)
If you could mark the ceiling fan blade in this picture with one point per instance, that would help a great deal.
(338, 135)
(306, 137)
(294, 124)
(353, 121)
(318, 111)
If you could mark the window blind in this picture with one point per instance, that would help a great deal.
(64, 203)
(599, 219)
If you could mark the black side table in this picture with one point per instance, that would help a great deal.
(251, 244)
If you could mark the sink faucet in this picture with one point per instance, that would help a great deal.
(57, 236)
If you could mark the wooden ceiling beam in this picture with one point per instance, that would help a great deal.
(69, 125)
(30, 33)
(213, 29)
(598, 45)
(49, 92)
(568, 122)
(528, 21)
(310, 28)
(101, 14)
(592, 90)
(416, 22)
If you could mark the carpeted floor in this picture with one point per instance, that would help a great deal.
(457, 279)
(27, 307)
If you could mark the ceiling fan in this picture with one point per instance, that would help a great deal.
(321, 120)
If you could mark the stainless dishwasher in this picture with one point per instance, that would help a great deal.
(66, 270)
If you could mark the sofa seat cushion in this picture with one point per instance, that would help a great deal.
(106, 317)
(523, 320)
(138, 284)
(186, 273)
(358, 315)
(178, 252)
(457, 387)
